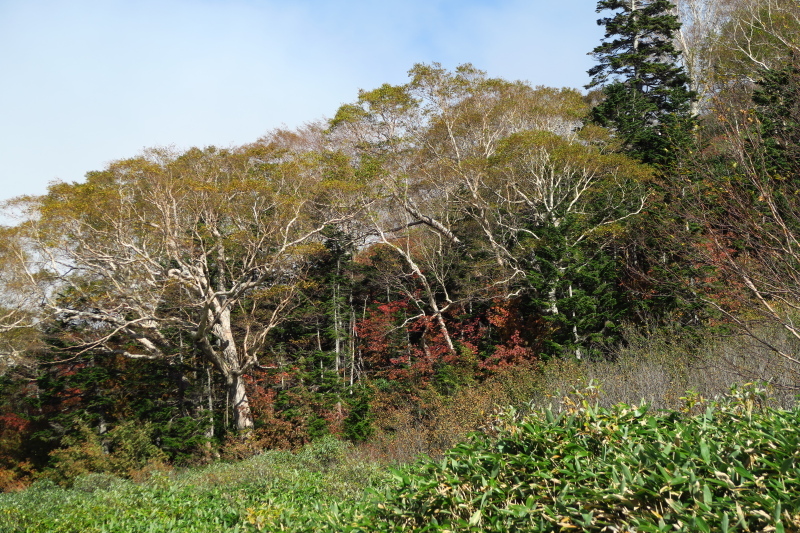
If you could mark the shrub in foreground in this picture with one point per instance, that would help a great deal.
(735, 467)
(731, 465)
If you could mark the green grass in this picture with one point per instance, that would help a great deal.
(276, 491)
(726, 465)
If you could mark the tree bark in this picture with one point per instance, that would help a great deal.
(242, 416)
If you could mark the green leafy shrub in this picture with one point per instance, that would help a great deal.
(323, 453)
(126, 450)
(735, 467)
(95, 481)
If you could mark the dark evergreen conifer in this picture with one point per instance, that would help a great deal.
(777, 108)
(647, 99)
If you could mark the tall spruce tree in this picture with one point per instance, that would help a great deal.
(647, 99)
(777, 108)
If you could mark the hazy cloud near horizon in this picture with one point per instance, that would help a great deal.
(87, 82)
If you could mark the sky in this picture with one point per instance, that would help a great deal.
(87, 82)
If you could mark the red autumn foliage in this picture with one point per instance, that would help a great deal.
(516, 348)
(14, 470)
(12, 423)
(399, 346)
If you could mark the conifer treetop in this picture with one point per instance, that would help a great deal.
(637, 46)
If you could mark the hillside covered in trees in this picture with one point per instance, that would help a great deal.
(435, 245)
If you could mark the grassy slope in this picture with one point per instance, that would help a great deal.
(276, 491)
(727, 466)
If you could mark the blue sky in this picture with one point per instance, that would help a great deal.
(84, 82)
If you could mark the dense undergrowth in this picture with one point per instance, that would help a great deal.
(275, 491)
(732, 466)
(725, 465)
